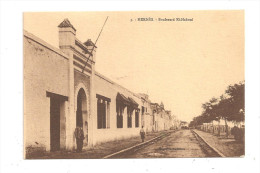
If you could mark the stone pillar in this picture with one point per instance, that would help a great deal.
(67, 36)
(93, 106)
(133, 118)
(108, 114)
(63, 114)
(125, 118)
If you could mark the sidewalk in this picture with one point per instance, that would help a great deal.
(100, 150)
(229, 147)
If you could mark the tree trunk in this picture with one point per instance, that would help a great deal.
(219, 127)
(212, 127)
(226, 127)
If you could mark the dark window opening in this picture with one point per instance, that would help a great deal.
(79, 118)
(122, 102)
(153, 119)
(103, 111)
(142, 116)
(101, 114)
(136, 118)
(119, 112)
(129, 117)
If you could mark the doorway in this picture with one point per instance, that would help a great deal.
(55, 123)
(81, 113)
(57, 120)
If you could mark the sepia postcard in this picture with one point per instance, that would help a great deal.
(134, 84)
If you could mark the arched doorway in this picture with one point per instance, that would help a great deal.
(81, 113)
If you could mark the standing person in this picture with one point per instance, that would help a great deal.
(142, 133)
(79, 135)
(86, 124)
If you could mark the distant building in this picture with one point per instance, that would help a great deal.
(162, 119)
(63, 90)
(183, 124)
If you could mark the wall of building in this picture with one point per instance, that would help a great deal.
(109, 89)
(147, 117)
(57, 71)
(162, 120)
(45, 69)
(148, 125)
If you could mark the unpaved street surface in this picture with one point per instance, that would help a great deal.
(229, 147)
(178, 144)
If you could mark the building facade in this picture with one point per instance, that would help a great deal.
(62, 90)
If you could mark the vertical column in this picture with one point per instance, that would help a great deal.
(142, 116)
(63, 114)
(72, 111)
(133, 118)
(108, 115)
(93, 109)
(67, 35)
(103, 114)
(125, 118)
(48, 125)
(139, 119)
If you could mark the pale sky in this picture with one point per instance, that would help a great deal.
(182, 64)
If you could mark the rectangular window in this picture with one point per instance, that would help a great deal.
(103, 112)
(119, 116)
(136, 118)
(129, 117)
(142, 116)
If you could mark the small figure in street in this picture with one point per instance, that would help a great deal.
(142, 133)
(79, 135)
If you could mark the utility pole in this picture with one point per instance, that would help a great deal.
(94, 45)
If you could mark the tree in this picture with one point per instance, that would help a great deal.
(224, 110)
(237, 102)
(196, 121)
(210, 110)
(230, 107)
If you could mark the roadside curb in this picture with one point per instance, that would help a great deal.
(216, 150)
(135, 146)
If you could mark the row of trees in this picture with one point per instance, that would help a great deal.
(230, 106)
